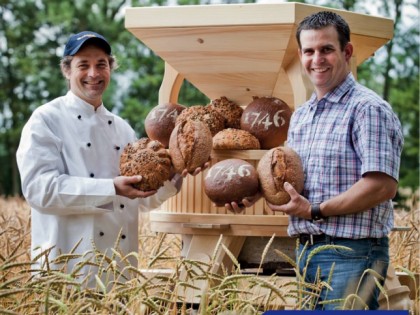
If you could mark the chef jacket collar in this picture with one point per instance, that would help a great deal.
(84, 108)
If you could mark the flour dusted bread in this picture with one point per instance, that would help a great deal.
(211, 118)
(147, 158)
(230, 180)
(230, 110)
(279, 165)
(190, 145)
(267, 118)
(160, 121)
(235, 139)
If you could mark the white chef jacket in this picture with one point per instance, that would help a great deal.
(67, 157)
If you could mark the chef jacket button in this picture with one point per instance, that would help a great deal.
(117, 147)
(121, 206)
(101, 233)
(92, 175)
(79, 117)
(109, 122)
(123, 236)
(88, 144)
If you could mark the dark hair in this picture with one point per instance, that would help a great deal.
(324, 19)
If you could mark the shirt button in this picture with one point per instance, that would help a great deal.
(121, 206)
(109, 122)
(92, 175)
(123, 236)
(101, 233)
(79, 117)
(88, 144)
(117, 147)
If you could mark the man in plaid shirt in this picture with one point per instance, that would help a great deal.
(350, 143)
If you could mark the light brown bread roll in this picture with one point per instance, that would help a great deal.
(279, 165)
(267, 118)
(230, 180)
(160, 121)
(147, 158)
(190, 145)
(235, 139)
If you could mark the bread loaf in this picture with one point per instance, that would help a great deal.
(230, 180)
(190, 145)
(149, 159)
(231, 111)
(211, 118)
(235, 139)
(160, 121)
(267, 118)
(277, 166)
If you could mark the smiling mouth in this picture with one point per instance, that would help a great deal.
(319, 70)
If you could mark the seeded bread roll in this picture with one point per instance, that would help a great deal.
(231, 111)
(235, 139)
(212, 119)
(230, 180)
(147, 158)
(267, 118)
(160, 121)
(190, 145)
(279, 165)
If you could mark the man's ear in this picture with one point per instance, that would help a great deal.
(348, 51)
(66, 72)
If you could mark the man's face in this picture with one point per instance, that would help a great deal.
(89, 74)
(323, 60)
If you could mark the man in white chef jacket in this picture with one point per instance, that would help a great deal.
(68, 160)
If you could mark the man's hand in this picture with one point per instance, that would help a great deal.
(124, 187)
(245, 203)
(298, 205)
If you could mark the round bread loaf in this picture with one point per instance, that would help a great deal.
(160, 121)
(190, 145)
(235, 139)
(230, 180)
(147, 158)
(231, 111)
(213, 119)
(279, 165)
(267, 118)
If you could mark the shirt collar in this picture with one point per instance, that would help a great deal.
(337, 93)
(82, 107)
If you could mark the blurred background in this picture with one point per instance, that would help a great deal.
(33, 34)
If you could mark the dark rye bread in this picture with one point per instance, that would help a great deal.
(230, 180)
(160, 121)
(230, 110)
(277, 166)
(235, 139)
(190, 145)
(267, 118)
(147, 158)
(213, 119)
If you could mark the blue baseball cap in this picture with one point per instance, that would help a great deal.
(78, 40)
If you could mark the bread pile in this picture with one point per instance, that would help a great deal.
(149, 159)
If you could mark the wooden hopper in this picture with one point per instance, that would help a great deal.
(237, 51)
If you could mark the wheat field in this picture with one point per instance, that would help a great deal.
(231, 292)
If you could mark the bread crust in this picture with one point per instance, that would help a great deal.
(160, 121)
(147, 158)
(190, 145)
(235, 139)
(267, 118)
(230, 110)
(211, 118)
(230, 180)
(277, 166)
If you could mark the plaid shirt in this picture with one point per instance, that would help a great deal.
(349, 132)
